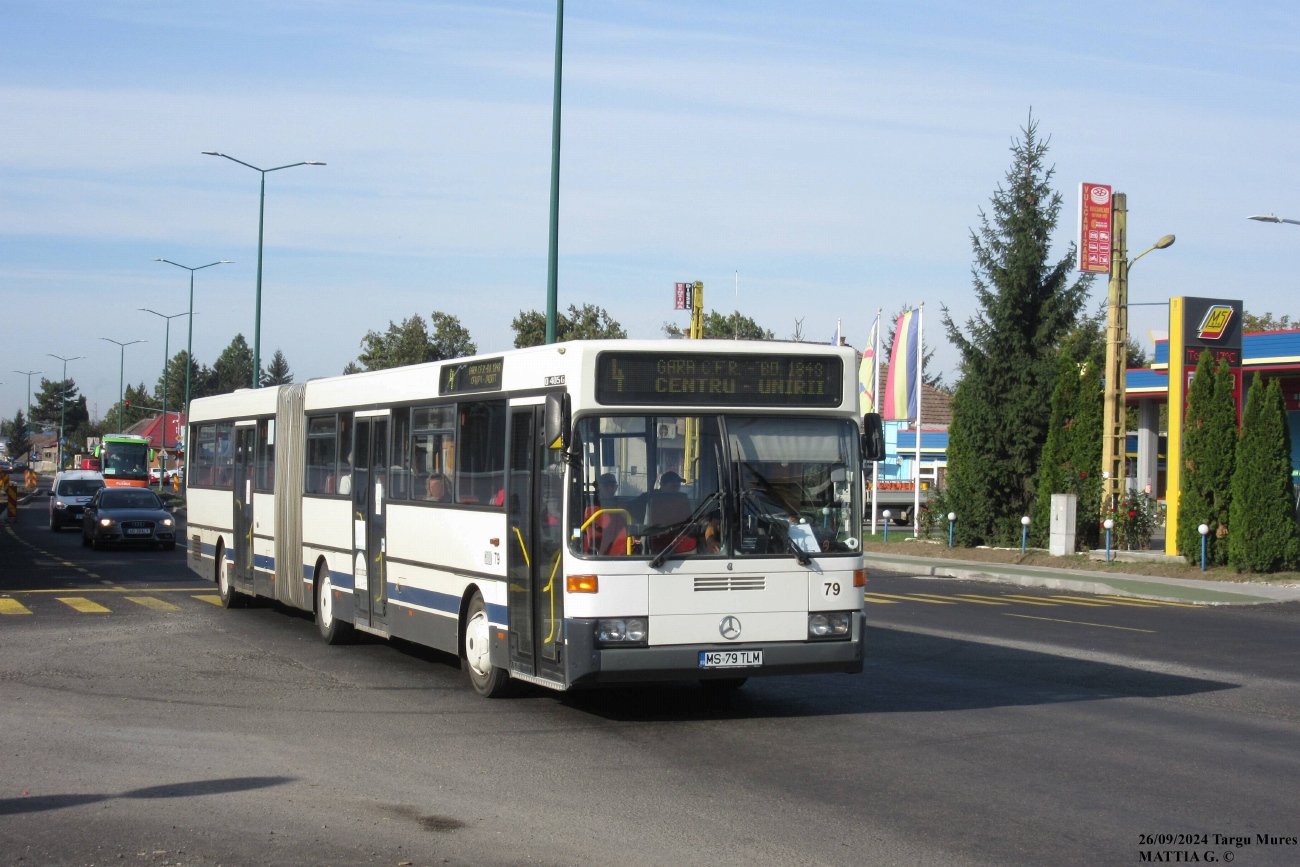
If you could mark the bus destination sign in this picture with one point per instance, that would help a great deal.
(713, 379)
(470, 376)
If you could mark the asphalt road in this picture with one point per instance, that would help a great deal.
(1017, 728)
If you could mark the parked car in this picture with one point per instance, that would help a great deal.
(127, 516)
(155, 474)
(69, 495)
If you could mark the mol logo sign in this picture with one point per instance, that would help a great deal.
(1214, 325)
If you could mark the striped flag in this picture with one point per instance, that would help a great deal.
(902, 388)
(867, 371)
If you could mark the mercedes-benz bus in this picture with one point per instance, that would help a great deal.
(579, 513)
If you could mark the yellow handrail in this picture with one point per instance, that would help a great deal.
(550, 588)
(523, 547)
(596, 514)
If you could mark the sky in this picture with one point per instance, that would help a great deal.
(809, 162)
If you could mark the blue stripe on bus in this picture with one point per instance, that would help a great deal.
(444, 602)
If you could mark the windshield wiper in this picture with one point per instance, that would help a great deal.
(800, 555)
(690, 522)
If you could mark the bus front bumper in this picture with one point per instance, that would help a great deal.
(589, 664)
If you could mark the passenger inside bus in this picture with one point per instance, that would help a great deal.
(437, 488)
(666, 507)
(607, 533)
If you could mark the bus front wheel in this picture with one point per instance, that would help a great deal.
(476, 657)
(229, 597)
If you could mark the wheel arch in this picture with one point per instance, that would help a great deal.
(321, 564)
(462, 617)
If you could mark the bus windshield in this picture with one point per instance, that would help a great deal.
(126, 460)
(729, 486)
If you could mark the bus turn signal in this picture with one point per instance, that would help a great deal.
(583, 584)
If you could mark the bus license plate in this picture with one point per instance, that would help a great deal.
(731, 659)
(132, 531)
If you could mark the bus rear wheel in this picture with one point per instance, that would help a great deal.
(476, 654)
(332, 630)
(229, 597)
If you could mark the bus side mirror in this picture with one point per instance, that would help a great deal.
(556, 433)
(873, 437)
(153, 455)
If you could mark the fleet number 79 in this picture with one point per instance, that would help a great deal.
(832, 588)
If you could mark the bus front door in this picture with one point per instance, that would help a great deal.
(369, 484)
(243, 517)
(534, 567)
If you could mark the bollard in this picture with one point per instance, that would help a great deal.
(1204, 530)
(952, 522)
(885, 514)
(1024, 533)
(1109, 524)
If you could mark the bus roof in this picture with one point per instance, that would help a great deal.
(570, 365)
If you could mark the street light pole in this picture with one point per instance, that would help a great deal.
(553, 251)
(261, 211)
(121, 370)
(29, 374)
(189, 342)
(1114, 415)
(166, 365)
(1269, 218)
(63, 400)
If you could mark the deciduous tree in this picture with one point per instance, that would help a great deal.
(734, 326)
(588, 322)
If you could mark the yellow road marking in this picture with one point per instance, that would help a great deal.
(12, 606)
(1007, 600)
(1103, 600)
(914, 599)
(879, 601)
(1155, 602)
(972, 601)
(1077, 622)
(85, 606)
(215, 600)
(111, 590)
(155, 604)
(1056, 599)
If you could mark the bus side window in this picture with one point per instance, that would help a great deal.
(322, 453)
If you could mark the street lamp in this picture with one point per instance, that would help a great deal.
(261, 212)
(1269, 218)
(1113, 409)
(166, 369)
(189, 341)
(29, 374)
(63, 399)
(121, 369)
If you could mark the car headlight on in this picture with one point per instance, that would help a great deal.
(59, 504)
(830, 624)
(622, 631)
(166, 522)
(105, 522)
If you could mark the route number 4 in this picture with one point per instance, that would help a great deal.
(832, 588)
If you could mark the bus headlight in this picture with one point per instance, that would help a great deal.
(829, 624)
(622, 631)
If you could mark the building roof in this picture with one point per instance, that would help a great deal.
(151, 429)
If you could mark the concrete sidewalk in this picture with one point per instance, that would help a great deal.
(1081, 581)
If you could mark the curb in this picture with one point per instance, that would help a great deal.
(1080, 581)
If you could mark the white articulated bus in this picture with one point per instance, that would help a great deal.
(581, 513)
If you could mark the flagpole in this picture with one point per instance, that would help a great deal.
(875, 465)
(920, 382)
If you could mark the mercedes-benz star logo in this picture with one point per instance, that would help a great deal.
(730, 627)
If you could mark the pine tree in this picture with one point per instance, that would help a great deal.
(1263, 535)
(19, 442)
(1220, 461)
(412, 343)
(277, 372)
(1002, 406)
(1085, 449)
(233, 368)
(1196, 496)
(1054, 471)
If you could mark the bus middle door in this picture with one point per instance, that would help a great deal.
(534, 567)
(369, 483)
(243, 504)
